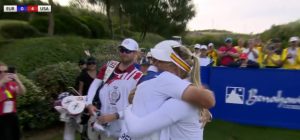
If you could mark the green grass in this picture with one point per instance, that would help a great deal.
(216, 130)
(220, 130)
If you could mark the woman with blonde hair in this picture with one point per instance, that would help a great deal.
(162, 107)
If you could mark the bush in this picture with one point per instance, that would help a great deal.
(284, 32)
(68, 24)
(16, 29)
(30, 54)
(217, 37)
(40, 23)
(98, 30)
(35, 107)
(56, 78)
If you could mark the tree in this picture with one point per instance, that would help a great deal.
(51, 20)
(166, 17)
(108, 5)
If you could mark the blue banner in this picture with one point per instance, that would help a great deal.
(267, 97)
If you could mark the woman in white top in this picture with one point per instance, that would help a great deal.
(250, 50)
(154, 115)
(204, 60)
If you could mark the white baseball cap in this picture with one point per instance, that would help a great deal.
(149, 54)
(294, 38)
(130, 44)
(211, 44)
(203, 47)
(162, 51)
(197, 46)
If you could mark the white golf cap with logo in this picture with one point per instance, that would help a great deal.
(130, 44)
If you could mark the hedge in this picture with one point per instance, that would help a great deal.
(56, 78)
(30, 54)
(35, 108)
(17, 29)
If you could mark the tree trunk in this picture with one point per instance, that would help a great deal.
(31, 16)
(121, 20)
(108, 6)
(51, 20)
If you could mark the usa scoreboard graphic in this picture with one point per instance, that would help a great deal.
(27, 8)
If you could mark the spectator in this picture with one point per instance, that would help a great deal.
(142, 58)
(250, 50)
(272, 58)
(197, 50)
(113, 94)
(87, 76)
(10, 88)
(149, 58)
(82, 66)
(259, 46)
(212, 53)
(204, 59)
(244, 62)
(227, 53)
(240, 45)
(291, 55)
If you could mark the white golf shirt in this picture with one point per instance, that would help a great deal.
(114, 94)
(175, 119)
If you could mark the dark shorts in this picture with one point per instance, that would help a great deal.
(9, 127)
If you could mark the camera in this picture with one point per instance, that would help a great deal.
(11, 69)
(271, 47)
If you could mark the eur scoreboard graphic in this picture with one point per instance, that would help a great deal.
(27, 8)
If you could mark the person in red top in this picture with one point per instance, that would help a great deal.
(10, 87)
(227, 53)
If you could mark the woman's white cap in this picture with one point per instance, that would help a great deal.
(163, 50)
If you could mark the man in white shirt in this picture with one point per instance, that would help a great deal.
(114, 93)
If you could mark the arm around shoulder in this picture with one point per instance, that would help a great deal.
(199, 97)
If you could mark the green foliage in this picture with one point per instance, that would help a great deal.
(16, 29)
(150, 40)
(98, 30)
(284, 32)
(30, 54)
(40, 23)
(67, 24)
(57, 77)
(217, 37)
(166, 17)
(34, 107)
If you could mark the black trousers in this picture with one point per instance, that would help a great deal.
(9, 127)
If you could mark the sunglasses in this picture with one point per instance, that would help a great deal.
(124, 50)
(3, 71)
(91, 63)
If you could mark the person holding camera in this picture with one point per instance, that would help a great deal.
(10, 88)
(272, 58)
(291, 55)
